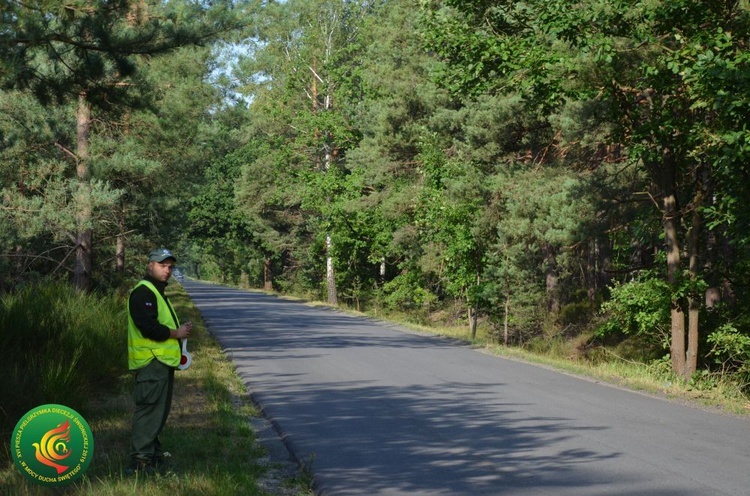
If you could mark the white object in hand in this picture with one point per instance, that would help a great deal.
(186, 359)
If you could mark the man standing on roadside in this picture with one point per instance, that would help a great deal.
(154, 352)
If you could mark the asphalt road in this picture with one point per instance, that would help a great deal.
(378, 410)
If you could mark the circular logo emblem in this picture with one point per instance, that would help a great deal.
(52, 445)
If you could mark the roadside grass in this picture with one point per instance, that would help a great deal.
(711, 392)
(214, 449)
(48, 335)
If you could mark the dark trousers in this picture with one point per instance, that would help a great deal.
(153, 399)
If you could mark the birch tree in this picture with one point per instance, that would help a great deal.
(300, 54)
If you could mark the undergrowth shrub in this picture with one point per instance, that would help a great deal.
(639, 308)
(405, 292)
(730, 352)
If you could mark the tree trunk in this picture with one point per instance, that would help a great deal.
(84, 253)
(671, 223)
(330, 275)
(505, 320)
(691, 363)
(327, 162)
(120, 243)
(602, 264)
(473, 320)
(120, 254)
(267, 275)
(473, 311)
(694, 301)
(551, 275)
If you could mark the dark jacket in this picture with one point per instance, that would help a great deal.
(142, 307)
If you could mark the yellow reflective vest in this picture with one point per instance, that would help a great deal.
(142, 350)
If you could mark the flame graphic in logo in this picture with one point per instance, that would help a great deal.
(53, 448)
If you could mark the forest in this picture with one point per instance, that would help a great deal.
(536, 170)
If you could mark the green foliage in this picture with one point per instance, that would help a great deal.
(448, 218)
(575, 313)
(407, 292)
(63, 347)
(662, 368)
(542, 214)
(730, 351)
(662, 81)
(490, 154)
(148, 137)
(56, 51)
(639, 308)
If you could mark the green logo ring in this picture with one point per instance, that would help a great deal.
(52, 445)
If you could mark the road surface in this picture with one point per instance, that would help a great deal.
(375, 409)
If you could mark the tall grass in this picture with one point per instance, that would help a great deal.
(59, 346)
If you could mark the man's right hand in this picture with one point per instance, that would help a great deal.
(183, 331)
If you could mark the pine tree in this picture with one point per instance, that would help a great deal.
(89, 53)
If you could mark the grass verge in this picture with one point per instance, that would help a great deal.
(214, 449)
(655, 379)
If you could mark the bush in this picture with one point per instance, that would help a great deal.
(575, 313)
(639, 308)
(405, 292)
(61, 346)
(730, 350)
